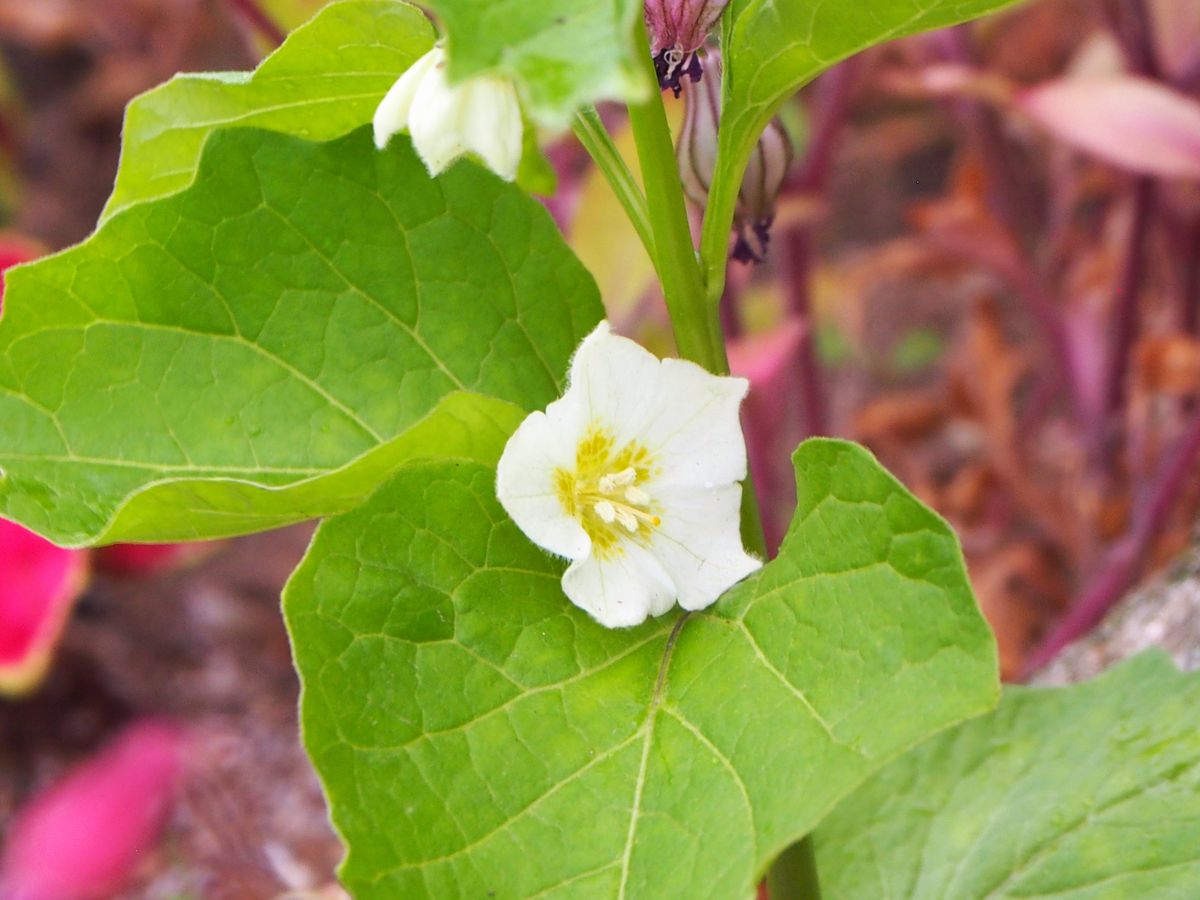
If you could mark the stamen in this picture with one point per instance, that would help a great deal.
(627, 518)
(636, 496)
(613, 480)
(606, 511)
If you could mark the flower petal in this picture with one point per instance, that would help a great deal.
(699, 542)
(694, 430)
(435, 122)
(614, 379)
(544, 443)
(619, 592)
(392, 114)
(687, 417)
(492, 124)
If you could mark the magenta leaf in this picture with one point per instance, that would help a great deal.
(86, 836)
(39, 583)
(1129, 122)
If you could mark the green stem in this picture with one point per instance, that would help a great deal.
(695, 318)
(598, 143)
(697, 327)
(793, 876)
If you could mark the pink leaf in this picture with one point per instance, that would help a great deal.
(85, 837)
(1130, 122)
(38, 586)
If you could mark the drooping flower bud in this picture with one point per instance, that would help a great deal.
(678, 28)
(765, 173)
(481, 115)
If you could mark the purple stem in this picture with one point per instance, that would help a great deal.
(1129, 20)
(1127, 311)
(259, 20)
(1126, 557)
(832, 108)
(796, 259)
(1011, 196)
(1012, 199)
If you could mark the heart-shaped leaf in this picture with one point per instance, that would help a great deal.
(476, 733)
(269, 344)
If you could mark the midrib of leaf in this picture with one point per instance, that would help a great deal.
(652, 709)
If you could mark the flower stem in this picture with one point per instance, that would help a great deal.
(590, 131)
(695, 320)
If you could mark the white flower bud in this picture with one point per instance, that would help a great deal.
(481, 116)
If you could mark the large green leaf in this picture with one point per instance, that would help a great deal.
(324, 82)
(561, 53)
(255, 350)
(773, 47)
(479, 736)
(1091, 791)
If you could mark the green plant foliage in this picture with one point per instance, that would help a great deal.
(265, 346)
(476, 733)
(324, 82)
(1091, 791)
(561, 53)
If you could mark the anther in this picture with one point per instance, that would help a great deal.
(606, 511)
(627, 518)
(636, 496)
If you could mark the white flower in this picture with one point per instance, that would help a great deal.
(482, 116)
(633, 475)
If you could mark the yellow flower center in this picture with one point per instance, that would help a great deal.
(603, 494)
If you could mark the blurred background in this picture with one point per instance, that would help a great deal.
(984, 263)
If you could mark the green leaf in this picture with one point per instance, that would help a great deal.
(772, 48)
(478, 734)
(324, 82)
(1091, 791)
(255, 350)
(562, 54)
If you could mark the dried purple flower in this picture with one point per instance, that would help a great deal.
(678, 28)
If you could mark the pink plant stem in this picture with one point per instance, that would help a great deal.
(1126, 558)
(1011, 195)
(832, 107)
(1013, 200)
(796, 263)
(1190, 318)
(1127, 310)
(1129, 20)
(259, 20)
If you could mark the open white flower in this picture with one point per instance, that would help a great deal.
(633, 475)
(481, 115)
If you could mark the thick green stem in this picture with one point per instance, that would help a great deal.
(694, 309)
(598, 143)
(697, 327)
